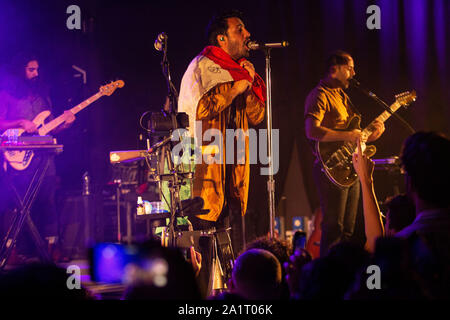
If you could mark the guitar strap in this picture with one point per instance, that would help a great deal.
(352, 106)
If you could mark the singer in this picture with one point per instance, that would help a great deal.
(327, 111)
(222, 90)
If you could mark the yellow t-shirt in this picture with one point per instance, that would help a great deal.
(330, 106)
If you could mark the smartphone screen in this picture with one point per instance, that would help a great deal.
(299, 240)
(110, 262)
(126, 264)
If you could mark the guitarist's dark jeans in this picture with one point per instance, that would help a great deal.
(339, 207)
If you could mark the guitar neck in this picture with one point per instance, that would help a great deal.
(382, 118)
(59, 120)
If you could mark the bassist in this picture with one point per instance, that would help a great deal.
(327, 111)
(22, 97)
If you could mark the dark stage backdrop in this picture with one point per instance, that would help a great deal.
(410, 51)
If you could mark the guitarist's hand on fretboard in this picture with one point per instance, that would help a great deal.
(377, 131)
(69, 119)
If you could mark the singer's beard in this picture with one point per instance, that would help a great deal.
(238, 51)
(345, 84)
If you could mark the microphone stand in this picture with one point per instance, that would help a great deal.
(171, 90)
(175, 184)
(383, 104)
(270, 179)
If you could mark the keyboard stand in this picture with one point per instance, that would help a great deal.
(24, 205)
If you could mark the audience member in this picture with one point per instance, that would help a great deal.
(373, 225)
(395, 279)
(425, 157)
(279, 248)
(293, 270)
(400, 213)
(331, 276)
(257, 275)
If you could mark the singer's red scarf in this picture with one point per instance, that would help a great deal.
(224, 60)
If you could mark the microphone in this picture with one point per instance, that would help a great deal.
(253, 45)
(356, 84)
(160, 41)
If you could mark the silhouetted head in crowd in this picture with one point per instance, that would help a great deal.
(166, 276)
(425, 157)
(330, 277)
(401, 212)
(257, 275)
(279, 248)
(40, 281)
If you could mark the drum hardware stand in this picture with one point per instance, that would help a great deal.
(175, 183)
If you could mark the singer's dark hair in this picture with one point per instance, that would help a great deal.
(336, 58)
(219, 25)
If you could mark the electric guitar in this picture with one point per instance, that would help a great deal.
(336, 157)
(21, 159)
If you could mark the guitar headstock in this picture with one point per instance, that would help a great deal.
(109, 88)
(406, 98)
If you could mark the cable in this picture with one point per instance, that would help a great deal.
(140, 121)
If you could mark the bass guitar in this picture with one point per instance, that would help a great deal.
(21, 159)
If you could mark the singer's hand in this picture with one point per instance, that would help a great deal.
(247, 65)
(378, 130)
(240, 87)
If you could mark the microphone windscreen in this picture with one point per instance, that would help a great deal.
(354, 83)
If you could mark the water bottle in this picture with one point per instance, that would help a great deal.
(140, 210)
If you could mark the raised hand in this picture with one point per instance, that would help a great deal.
(363, 165)
(294, 267)
(196, 260)
(354, 135)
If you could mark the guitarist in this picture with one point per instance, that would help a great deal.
(22, 97)
(328, 110)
